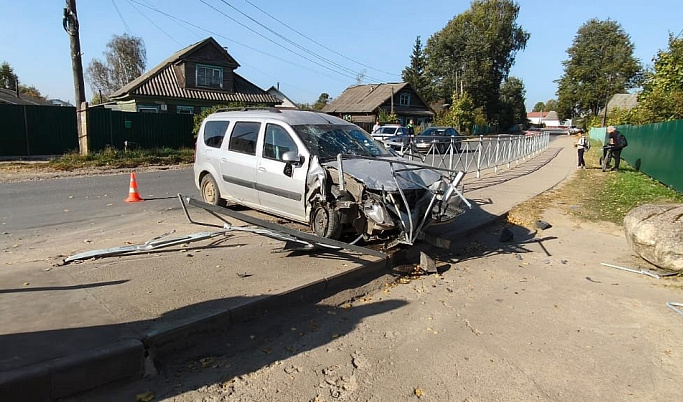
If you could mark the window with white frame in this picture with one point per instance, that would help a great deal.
(184, 109)
(148, 108)
(404, 99)
(209, 76)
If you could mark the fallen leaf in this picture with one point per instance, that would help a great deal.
(145, 397)
(419, 392)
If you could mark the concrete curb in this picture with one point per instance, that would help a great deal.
(71, 374)
(131, 359)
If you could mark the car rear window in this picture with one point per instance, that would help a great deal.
(214, 131)
(244, 136)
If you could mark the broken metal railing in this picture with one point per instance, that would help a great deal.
(147, 247)
(303, 240)
(273, 230)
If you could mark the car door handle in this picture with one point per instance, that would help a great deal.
(223, 160)
(261, 169)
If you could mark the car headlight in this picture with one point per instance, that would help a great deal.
(377, 213)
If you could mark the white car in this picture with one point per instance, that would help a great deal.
(320, 170)
(389, 130)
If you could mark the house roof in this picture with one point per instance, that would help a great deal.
(536, 115)
(8, 96)
(622, 102)
(161, 81)
(365, 98)
(286, 102)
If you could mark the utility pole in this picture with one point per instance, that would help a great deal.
(70, 23)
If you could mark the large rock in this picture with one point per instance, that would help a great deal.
(655, 232)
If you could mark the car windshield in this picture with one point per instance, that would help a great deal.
(328, 140)
(386, 130)
(438, 132)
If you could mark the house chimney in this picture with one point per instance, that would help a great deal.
(278, 86)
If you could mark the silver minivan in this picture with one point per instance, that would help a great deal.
(319, 170)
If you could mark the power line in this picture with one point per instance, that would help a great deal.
(121, 17)
(274, 42)
(154, 23)
(318, 43)
(228, 39)
(292, 42)
(176, 22)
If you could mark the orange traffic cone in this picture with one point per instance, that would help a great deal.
(133, 195)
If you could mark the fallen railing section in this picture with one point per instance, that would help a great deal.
(293, 239)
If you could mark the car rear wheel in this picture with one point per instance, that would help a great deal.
(210, 192)
(326, 222)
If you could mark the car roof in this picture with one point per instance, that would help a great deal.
(292, 117)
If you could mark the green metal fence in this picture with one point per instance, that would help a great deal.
(52, 130)
(146, 130)
(654, 149)
(28, 130)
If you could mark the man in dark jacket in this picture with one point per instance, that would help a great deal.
(614, 143)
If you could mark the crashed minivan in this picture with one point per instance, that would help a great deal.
(322, 171)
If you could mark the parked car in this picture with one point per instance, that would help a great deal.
(439, 137)
(574, 130)
(319, 170)
(389, 130)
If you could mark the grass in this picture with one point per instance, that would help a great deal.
(595, 195)
(113, 158)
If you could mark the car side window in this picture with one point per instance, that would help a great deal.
(277, 142)
(214, 131)
(244, 136)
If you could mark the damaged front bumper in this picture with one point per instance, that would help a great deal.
(387, 198)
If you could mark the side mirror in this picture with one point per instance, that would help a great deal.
(292, 157)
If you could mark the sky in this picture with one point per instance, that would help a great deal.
(330, 44)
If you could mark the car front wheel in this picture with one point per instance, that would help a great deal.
(325, 222)
(210, 192)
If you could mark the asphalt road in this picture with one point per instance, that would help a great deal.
(28, 207)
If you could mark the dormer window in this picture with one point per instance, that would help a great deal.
(404, 99)
(209, 76)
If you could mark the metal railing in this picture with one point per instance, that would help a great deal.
(471, 153)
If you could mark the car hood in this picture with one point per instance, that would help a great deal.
(376, 174)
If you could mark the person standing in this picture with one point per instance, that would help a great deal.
(411, 127)
(376, 126)
(581, 146)
(614, 143)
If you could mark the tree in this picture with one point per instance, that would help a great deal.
(662, 96)
(124, 60)
(474, 53)
(461, 114)
(8, 80)
(31, 91)
(539, 107)
(600, 64)
(415, 73)
(551, 104)
(323, 99)
(512, 98)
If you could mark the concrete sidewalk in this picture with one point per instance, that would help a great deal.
(81, 326)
